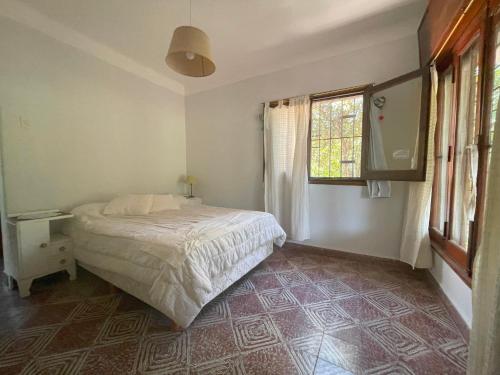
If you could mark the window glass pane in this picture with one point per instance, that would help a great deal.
(336, 152)
(324, 158)
(347, 126)
(495, 93)
(336, 134)
(347, 149)
(358, 120)
(347, 169)
(441, 178)
(324, 121)
(465, 148)
(315, 123)
(336, 118)
(357, 156)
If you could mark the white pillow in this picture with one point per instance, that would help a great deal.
(162, 202)
(131, 204)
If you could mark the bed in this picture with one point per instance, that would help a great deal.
(174, 260)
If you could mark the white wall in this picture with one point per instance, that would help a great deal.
(459, 294)
(224, 147)
(76, 129)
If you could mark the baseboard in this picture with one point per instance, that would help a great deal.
(455, 315)
(328, 249)
(340, 253)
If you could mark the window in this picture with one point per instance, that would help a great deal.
(455, 185)
(336, 138)
(463, 140)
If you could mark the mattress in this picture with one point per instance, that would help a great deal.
(182, 258)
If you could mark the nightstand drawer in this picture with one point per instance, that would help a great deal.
(59, 262)
(59, 246)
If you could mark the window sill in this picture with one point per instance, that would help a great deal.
(457, 268)
(330, 181)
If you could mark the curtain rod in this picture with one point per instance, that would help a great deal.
(324, 94)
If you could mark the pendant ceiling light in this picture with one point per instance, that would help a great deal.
(190, 53)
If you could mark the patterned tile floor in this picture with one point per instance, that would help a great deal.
(297, 313)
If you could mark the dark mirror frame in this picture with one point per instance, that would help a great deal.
(401, 174)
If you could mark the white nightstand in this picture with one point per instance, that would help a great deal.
(37, 248)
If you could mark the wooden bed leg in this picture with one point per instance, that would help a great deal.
(175, 327)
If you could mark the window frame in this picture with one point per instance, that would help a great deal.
(417, 174)
(480, 30)
(488, 55)
(342, 93)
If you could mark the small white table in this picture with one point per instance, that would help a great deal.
(37, 247)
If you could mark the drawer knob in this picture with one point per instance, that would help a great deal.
(62, 261)
(62, 248)
(43, 245)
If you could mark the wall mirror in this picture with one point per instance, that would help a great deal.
(395, 126)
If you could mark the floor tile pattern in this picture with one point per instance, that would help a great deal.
(298, 312)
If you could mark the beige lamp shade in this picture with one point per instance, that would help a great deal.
(191, 180)
(190, 52)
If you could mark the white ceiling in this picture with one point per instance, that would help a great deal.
(249, 37)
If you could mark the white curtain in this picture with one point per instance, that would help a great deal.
(377, 189)
(285, 151)
(415, 242)
(484, 352)
(466, 159)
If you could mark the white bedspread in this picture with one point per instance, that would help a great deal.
(179, 254)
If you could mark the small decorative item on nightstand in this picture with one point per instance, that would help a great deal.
(37, 248)
(190, 180)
